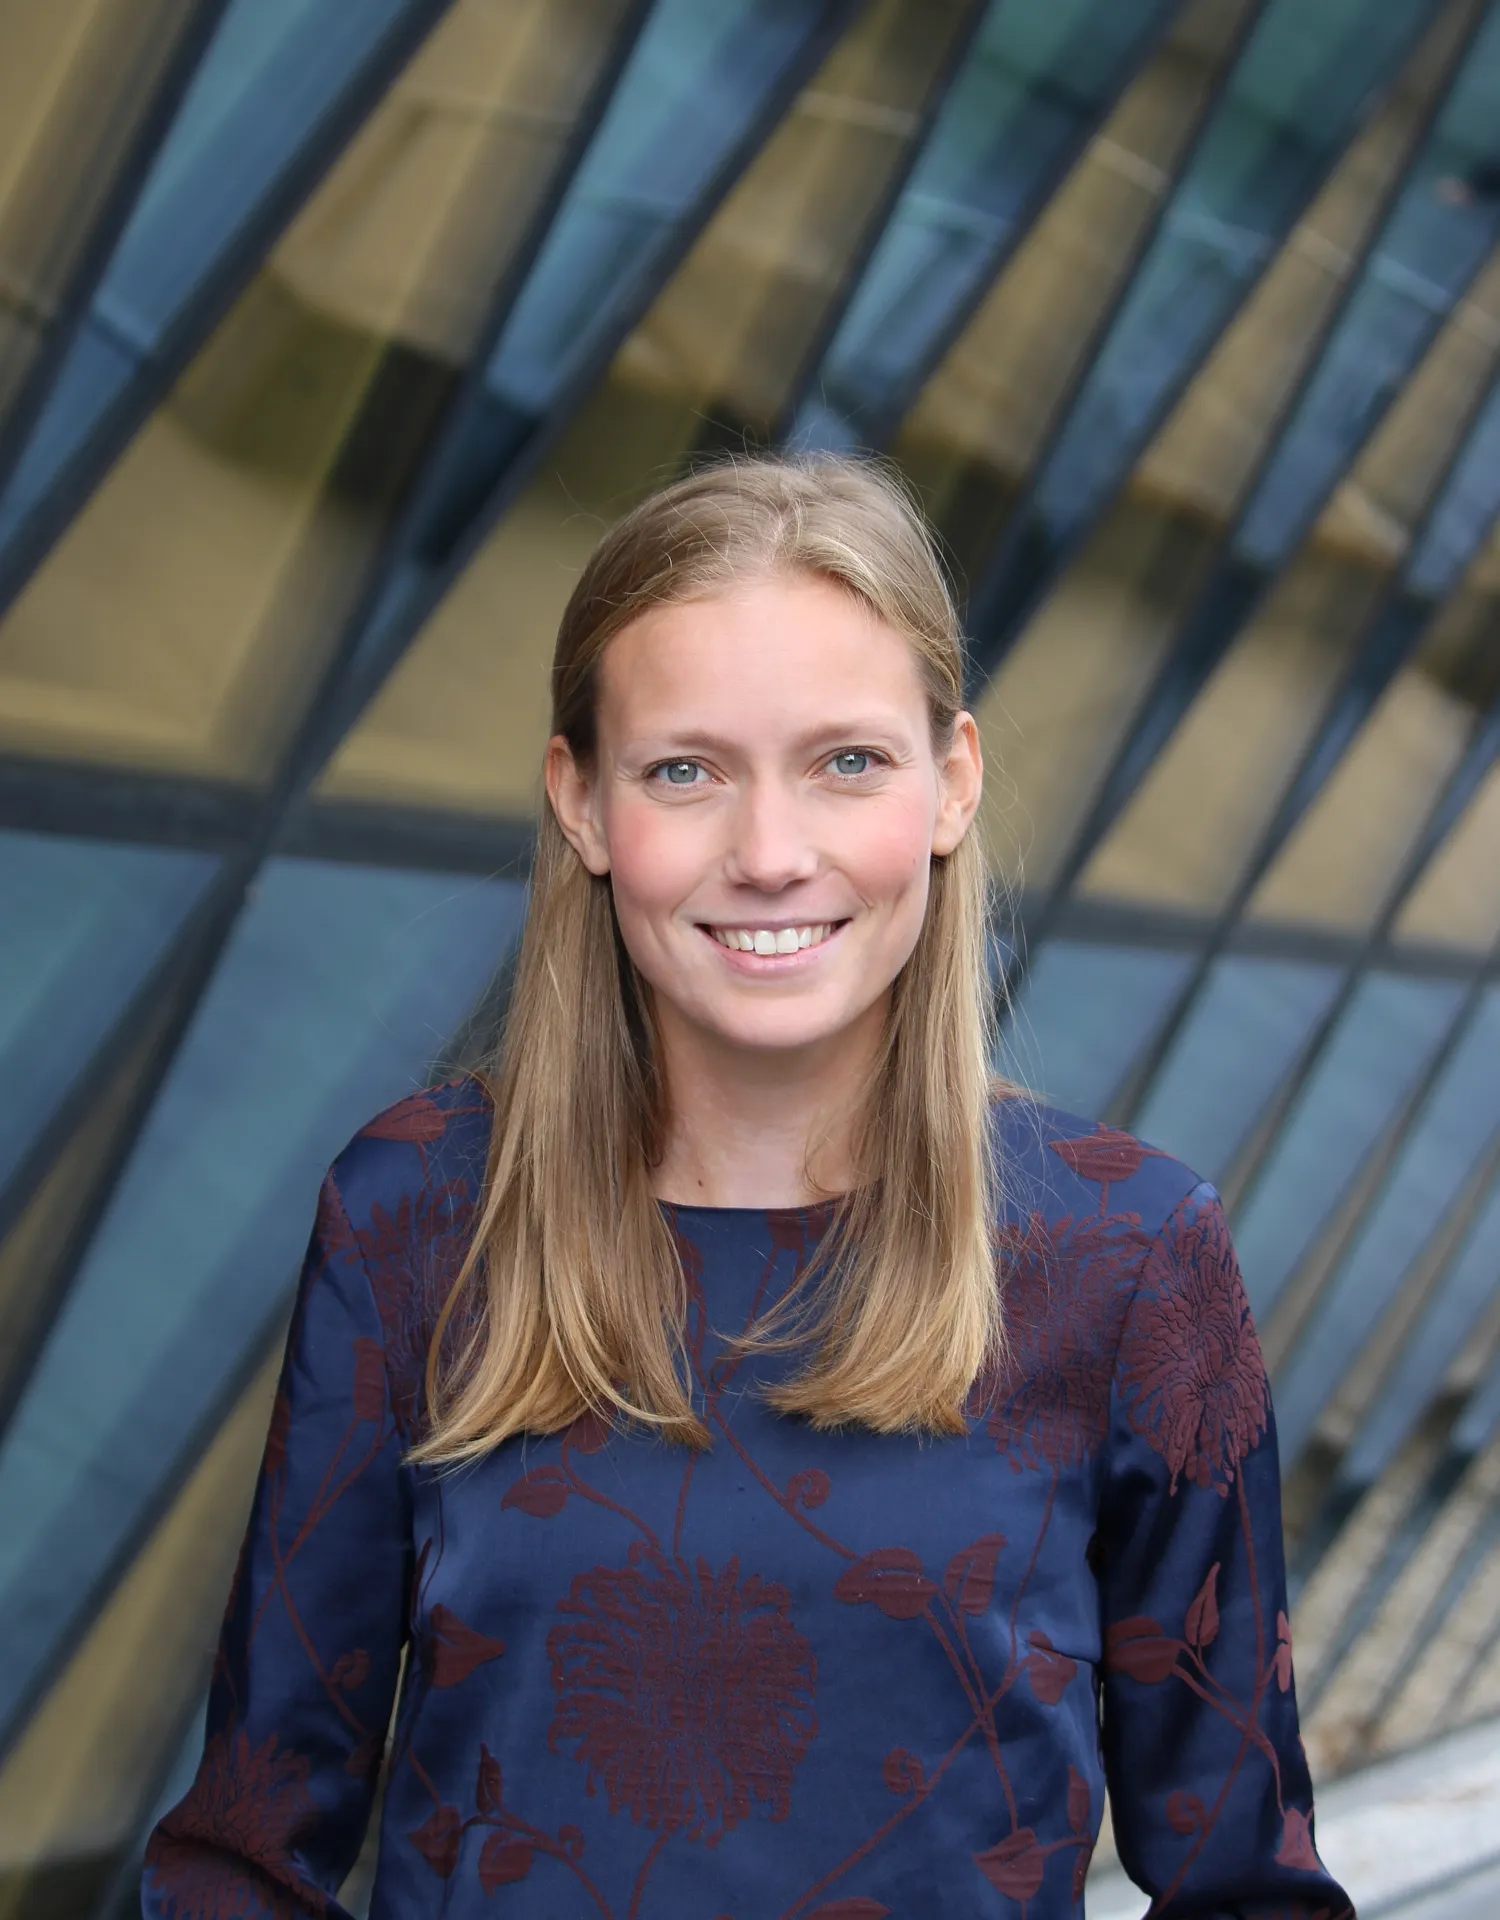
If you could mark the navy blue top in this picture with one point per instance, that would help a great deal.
(805, 1675)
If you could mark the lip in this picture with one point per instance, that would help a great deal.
(761, 966)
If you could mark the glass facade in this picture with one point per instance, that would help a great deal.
(330, 338)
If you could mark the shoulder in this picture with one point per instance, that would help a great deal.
(433, 1140)
(396, 1219)
(1055, 1165)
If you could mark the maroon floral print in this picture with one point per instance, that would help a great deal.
(954, 1668)
(1067, 1282)
(1191, 1372)
(250, 1806)
(689, 1697)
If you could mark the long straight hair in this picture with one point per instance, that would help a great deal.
(572, 1297)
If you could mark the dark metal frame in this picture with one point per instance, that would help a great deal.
(1229, 599)
(992, 638)
(806, 382)
(1394, 629)
(216, 292)
(110, 216)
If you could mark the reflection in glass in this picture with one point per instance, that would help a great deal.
(78, 85)
(74, 1788)
(1246, 1030)
(84, 923)
(684, 117)
(338, 987)
(1054, 715)
(276, 75)
(1085, 1015)
(1456, 903)
(1437, 237)
(985, 415)
(1034, 83)
(1290, 107)
(461, 722)
(186, 617)
(1447, 1137)
(1372, 792)
(1446, 1326)
(46, 1237)
(1373, 1060)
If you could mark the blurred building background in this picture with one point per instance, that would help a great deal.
(331, 334)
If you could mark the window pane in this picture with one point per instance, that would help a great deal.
(184, 620)
(1086, 1015)
(1035, 82)
(78, 81)
(276, 72)
(1438, 236)
(85, 922)
(1376, 1055)
(1452, 1315)
(1447, 1137)
(462, 721)
(1338, 866)
(1291, 105)
(1244, 1033)
(45, 1237)
(984, 417)
(1457, 901)
(74, 1789)
(339, 985)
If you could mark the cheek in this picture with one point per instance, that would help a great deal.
(654, 858)
(889, 853)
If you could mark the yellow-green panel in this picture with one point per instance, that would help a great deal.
(184, 618)
(985, 415)
(80, 1780)
(75, 77)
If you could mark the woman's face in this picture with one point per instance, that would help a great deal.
(766, 802)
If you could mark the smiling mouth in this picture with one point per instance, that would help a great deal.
(771, 941)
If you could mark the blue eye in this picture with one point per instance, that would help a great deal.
(677, 773)
(851, 765)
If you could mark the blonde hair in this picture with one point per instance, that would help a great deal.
(574, 1292)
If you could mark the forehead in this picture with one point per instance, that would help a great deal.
(784, 648)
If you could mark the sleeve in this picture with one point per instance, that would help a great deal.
(1208, 1781)
(309, 1656)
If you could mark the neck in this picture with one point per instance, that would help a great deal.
(757, 1129)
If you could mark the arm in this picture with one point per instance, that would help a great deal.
(310, 1653)
(1207, 1778)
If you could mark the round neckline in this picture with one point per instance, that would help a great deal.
(809, 1211)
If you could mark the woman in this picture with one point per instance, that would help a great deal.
(752, 1551)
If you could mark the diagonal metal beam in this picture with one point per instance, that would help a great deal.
(130, 163)
(1139, 371)
(1394, 631)
(1249, 561)
(838, 401)
(1462, 785)
(63, 461)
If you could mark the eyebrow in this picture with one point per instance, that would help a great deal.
(857, 728)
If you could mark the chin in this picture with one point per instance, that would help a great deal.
(781, 1030)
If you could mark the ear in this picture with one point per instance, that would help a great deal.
(572, 795)
(960, 783)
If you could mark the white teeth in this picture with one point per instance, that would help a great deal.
(765, 941)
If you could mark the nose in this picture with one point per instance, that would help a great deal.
(770, 845)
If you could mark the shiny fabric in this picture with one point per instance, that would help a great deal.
(805, 1676)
